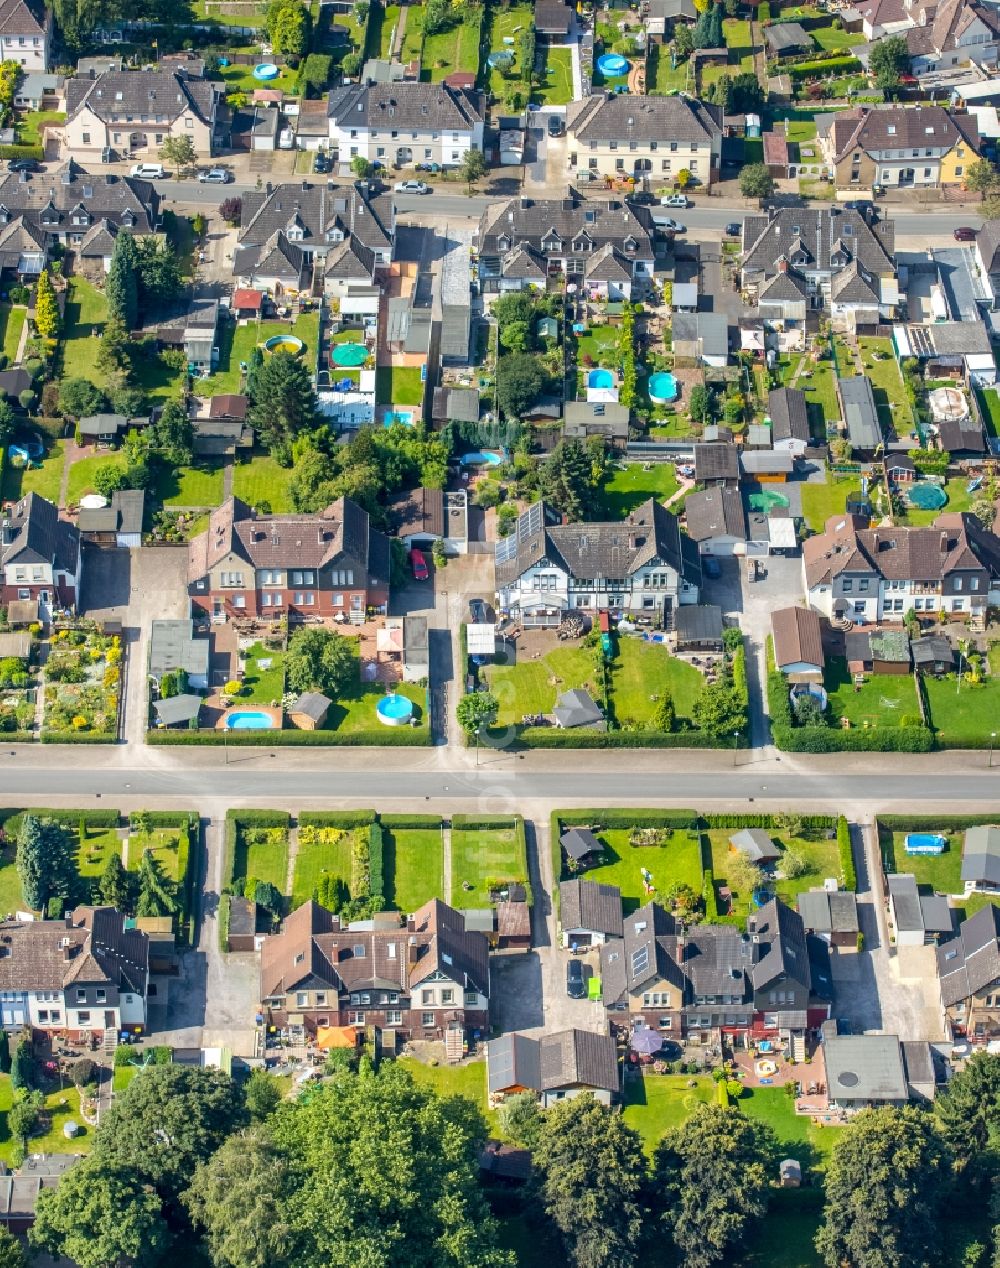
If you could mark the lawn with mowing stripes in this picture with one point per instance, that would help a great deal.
(479, 855)
(451, 51)
(413, 864)
(556, 86)
(263, 484)
(318, 859)
(12, 323)
(267, 859)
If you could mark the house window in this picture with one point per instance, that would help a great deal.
(189, 122)
(239, 601)
(973, 583)
(43, 1014)
(959, 171)
(101, 997)
(927, 172)
(427, 1019)
(302, 999)
(24, 594)
(394, 1017)
(86, 138)
(958, 605)
(337, 600)
(355, 1019)
(83, 1019)
(81, 996)
(56, 1015)
(321, 999)
(447, 997)
(848, 587)
(666, 1023)
(427, 997)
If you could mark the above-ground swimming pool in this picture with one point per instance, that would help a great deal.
(924, 843)
(662, 387)
(394, 710)
(612, 64)
(284, 343)
(478, 459)
(600, 378)
(249, 720)
(349, 354)
(266, 71)
(926, 496)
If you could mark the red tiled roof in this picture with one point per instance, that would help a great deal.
(246, 298)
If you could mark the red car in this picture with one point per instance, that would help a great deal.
(965, 233)
(419, 565)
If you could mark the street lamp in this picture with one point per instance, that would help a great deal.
(993, 736)
(477, 747)
(736, 745)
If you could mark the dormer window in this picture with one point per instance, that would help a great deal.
(4, 215)
(630, 244)
(891, 129)
(504, 244)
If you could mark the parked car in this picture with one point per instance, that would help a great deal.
(215, 176)
(734, 229)
(670, 226)
(23, 165)
(320, 162)
(711, 568)
(477, 612)
(148, 171)
(411, 187)
(674, 200)
(863, 205)
(556, 125)
(418, 565)
(965, 233)
(576, 984)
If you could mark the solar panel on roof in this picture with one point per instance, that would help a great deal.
(640, 960)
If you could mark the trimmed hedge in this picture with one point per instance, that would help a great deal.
(814, 739)
(224, 902)
(236, 819)
(376, 862)
(345, 819)
(410, 821)
(169, 818)
(627, 818)
(22, 151)
(709, 895)
(920, 823)
(553, 737)
(385, 737)
(70, 818)
(848, 873)
(827, 68)
(816, 822)
(77, 737)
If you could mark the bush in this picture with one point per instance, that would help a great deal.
(345, 819)
(847, 871)
(22, 151)
(709, 896)
(125, 1055)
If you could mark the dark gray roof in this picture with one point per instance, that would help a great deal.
(514, 1061)
(971, 961)
(313, 704)
(581, 225)
(865, 1068)
(177, 709)
(579, 843)
(36, 535)
(918, 1058)
(143, 92)
(787, 286)
(905, 898)
(716, 462)
(625, 118)
(715, 512)
(932, 649)
(709, 330)
(787, 37)
(863, 427)
(717, 961)
(455, 404)
(650, 948)
(172, 645)
(103, 424)
(567, 1058)
(589, 905)
(72, 199)
(695, 622)
(124, 515)
(964, 436)
(577, 708)
(826, 912)
(411, 106)
(781, 949)
(553, 17)
(981, 854)
(820, 234)
(755, 844)
(789, 414)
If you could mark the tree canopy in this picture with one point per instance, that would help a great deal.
(569, 481)
(969, 1111)
(122, 287)
(320, 660)
(284, 404)
(888, 60)
(477, 709)
(44, 861)
(756, 181)
(521, 380)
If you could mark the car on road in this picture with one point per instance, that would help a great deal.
(418, 565)
(674, 200)
(23, 165)
(576, 983)
(556, 125)
(965, 233)
(671, 226)
(148, 171)
(478, 612)
(862, 205)
(215, 176)
(411, 187)
(734, 229)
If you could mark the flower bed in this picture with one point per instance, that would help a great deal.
(82, 682)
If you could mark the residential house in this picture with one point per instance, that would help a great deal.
(798, 644)
(717, 465)
(956, 33)
(455, 404)
(608, 244)
(118, 524)
(421, 975)
(916, 919)
(38, 91)
(331, 564)
(193, 328)
(877, 651)
(864, 1071)
(643, 565)
(756, 845)
(399, 125)
(789, 414)
(969, 971)
(553, 21)
(556, 1067)
(220, 425)
(860, 414)
(701, 337)
(299, 236)
(133, 112)
(589, 913)
(698, 627)
(179, 711)
(86, 974)
(577, 708)
(767, 466)
(40, 556)
(613, 134)
(987, 254)
(610, 421)
(831, 915)
(641, 975)
(715, 517)
(950, 348)
(665, 15)
(981, 859)
(581, 847)
(174, 646)
(880, 574)
(827, 258)
(25, 34)
(19, 1190)
(792, 985)
(786, 38)
(898, 146)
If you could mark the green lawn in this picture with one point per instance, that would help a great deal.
(450, 51)
(642, 670)
(738, 39)
(43, 478)
(820, 501)
(531, 686)
(83, 321)
(268, 862)
(479, 855)
(887, 384)
(413, 36)
(468, 1081)
(314, 861)
(660, 77)
(834, 39)
(11, 898)
(820, 855)
(59, 1109)
(91, 855)
(678, 861)
(29, 124)
(265, 683)
(237, 342)
(507, 24)
(82, 472)
(163, 843)
(966, 715)
(821, 395)
(989, 400)
(399, 385)
(241, 79)
(600, 343)
(556, 81)
(12, 321)
(192, 486)
(122, 1077)
(883, 700)
(261, 481)
(635, 482)
(413, 863)
(941, 872)
(959, 499)
(355, 707)
(159, 381)
(773, 1105)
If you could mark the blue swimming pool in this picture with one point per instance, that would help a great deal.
(600, 378)
(662, 387)
(403, 416)
(924, 843)
(394, 710)
(612, 65)
(478, 459)
(249, 720)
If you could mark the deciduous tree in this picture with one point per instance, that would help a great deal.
(888, 60)
(47, 319)
(521, 380)
(756, 181)
(320, 660)
(263, 1095)
(11, 1251)
(477, 709)
(969, 1112)
(472, 168)
(172, 435)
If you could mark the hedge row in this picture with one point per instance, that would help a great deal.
(847, 870)
(816, 822)
(385, 737)
(826, 69)
(921, 823)
(376, 861)
(410, 821)
(22, 152)
(224, 902)
(78, 737)
(626, 818)
(17, 737)
(709, 895)
(186, 874)
(345, 819)
(552, 737)
(70, 818)
(169, 818)
(816, 739)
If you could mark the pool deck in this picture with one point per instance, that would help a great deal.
(274, 714)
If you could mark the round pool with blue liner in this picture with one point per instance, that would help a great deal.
(600, 378)
(249, 720)
(612, 64)
(662, 387)
(478, 459)
(265, 71)
(394, 710)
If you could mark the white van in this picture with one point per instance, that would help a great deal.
(148, 171)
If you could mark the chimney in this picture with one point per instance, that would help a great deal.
(944, 541)
(412, 951)
(782, 264)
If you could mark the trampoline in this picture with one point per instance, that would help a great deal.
(766, 500)
(612, 64)
(349, 354)
(948, 404)
(926, 496)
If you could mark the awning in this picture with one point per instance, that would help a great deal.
(482, 640)
(336, 1037)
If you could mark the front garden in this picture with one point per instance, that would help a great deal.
(82, 683)
(487, 854)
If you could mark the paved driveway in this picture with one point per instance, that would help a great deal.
(782, 588)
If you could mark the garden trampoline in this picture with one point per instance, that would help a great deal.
(926, 496)
(349, 354)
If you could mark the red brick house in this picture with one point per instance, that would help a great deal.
(328, 564)
(40, 556)
(419, 975)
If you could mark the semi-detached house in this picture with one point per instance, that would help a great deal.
(399, 125)
(40, 556)
(898, 146)
(616, 135)
(25, 36)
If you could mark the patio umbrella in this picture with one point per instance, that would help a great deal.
(646, 1041)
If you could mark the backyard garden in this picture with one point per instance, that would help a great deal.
(486, 854)
(237, 342)
(19, 678)
(82, 680)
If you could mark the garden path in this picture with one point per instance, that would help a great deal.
(227, 479)
(398, 35)
(293, 849)
(43, 655)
